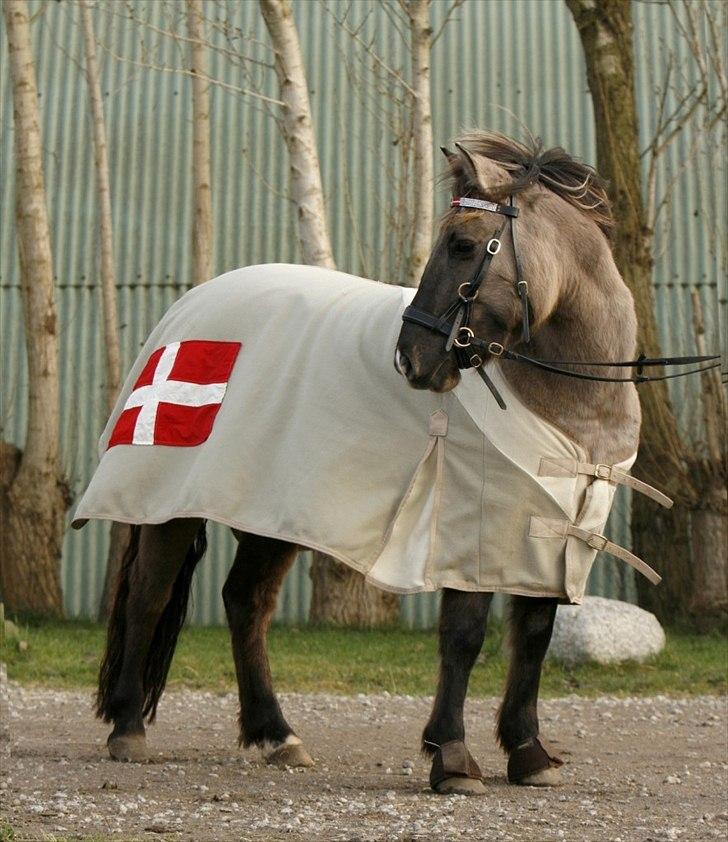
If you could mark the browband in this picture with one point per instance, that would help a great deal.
(482, 204)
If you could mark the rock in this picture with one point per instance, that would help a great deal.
(606, 631)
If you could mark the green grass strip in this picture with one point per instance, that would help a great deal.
(66, 655)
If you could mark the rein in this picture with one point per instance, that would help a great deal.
(454, 323)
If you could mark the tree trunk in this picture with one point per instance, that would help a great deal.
(118, 532)
(35, 499)
(418, 12)
(342, 597)
(297, 129)
(202, 230)
(103, 190)
(709, 596)
(340, 594)
(709, 520)
(661, 537)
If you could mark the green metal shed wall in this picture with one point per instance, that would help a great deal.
(495, 57)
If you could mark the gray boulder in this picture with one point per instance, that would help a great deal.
(606, 631)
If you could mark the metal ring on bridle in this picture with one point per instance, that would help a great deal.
(494, 246)
(468, 335)
(464, 297)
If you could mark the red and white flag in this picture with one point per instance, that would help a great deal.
(177, 395)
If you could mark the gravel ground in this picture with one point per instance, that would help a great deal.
(637, 770)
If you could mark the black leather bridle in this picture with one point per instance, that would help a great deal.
(470, 350)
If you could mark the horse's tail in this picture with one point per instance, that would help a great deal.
(164, 640)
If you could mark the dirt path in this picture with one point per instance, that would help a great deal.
(638, 770)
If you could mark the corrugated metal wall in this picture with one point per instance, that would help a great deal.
(496, 63)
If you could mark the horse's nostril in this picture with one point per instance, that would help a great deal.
(402, 363)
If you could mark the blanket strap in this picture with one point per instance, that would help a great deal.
(544, 527)
(599, 542)
(553, 467)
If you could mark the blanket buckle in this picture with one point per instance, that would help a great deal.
(603, 471)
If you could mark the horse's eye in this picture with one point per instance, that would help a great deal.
(462, 246)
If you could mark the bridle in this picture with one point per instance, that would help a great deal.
(471, 351)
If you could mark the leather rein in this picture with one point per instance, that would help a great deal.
(470, 350)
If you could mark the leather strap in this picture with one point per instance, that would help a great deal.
(481, 204)
(550, 467)
(529, 758)
(599, 542)
(521, 287)
(547, 527)
(441, 325)
(453, 760)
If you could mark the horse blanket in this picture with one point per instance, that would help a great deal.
(267, 399)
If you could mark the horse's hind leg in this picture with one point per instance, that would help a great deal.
(462, 629)
(530, 762)
(250, 595)
(149, 610)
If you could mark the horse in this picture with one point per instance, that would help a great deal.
(576, 306)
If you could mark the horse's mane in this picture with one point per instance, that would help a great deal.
(529, 163)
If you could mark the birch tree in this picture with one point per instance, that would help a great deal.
(662, 537)
(119, 532)
(296, 126)
(340, 595)
(112, 344)
(418, 14)
(34, 496)
(202, 228)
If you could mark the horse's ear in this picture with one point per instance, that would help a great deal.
(483, 173)
(451, 156)
(469, 166)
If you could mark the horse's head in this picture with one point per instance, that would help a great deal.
(559, 199)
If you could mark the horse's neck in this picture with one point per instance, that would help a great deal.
(602, 417)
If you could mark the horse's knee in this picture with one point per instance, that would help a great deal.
(463, 638)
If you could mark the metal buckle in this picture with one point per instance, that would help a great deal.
(523, 284)
(602, 471)
(496, 349)
(597, 541)
(494, 246)
(463, 297)
(468, 334)
(476, 361)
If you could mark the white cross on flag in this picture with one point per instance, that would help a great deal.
(178, 394)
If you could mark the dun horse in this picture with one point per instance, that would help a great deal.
(574, 306)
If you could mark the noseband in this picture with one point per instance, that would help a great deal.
(471, 351)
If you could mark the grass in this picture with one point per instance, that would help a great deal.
(66, 655)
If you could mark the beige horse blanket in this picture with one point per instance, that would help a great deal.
(267, 400)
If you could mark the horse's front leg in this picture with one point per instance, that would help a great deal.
(462, 630)
(530, 762)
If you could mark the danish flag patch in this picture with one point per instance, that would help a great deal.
(177, 395)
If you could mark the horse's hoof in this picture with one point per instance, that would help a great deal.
(290, 754)
(533, 764)
(131, 748)
(551, 776)
(460, 786)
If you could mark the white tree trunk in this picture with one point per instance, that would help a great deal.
(298, 133)
(202, 230)
(33, 500)
(418, 12)
(340, 595)
(112, 342)
(103, 189)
